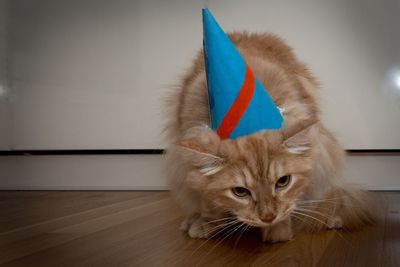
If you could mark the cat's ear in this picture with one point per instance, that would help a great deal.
(300, 142)
(201, 151)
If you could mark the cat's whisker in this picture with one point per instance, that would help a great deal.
(205, 241)
(220, 230)
(326, 200)
(229, 233)
(332, 198)
(218, 220)
(303, 220)
(216, 231)
(233, 226)
(322, 222)
(319, 201)
(314, 207)
(220, 226)
(326, 216)
(316, 202)
(310, 216)
(244, 229)
(335, 203)
(311, 200)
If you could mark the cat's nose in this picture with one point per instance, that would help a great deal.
(268, 217)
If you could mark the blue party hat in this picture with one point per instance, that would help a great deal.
(239, 104)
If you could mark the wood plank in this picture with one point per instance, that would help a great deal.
(50, 225)
(391, 252)
(74, 227)
(88, 244)
(142, 230)
(25, 208)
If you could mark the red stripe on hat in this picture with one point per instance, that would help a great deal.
(239, 106)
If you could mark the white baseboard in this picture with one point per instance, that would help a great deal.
(86, 188)
(375, 172)
(87, 172)
(147, 172)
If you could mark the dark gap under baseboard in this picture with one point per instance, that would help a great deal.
(65, 152)
(381, 152)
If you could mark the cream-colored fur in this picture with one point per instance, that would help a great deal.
(203, 169)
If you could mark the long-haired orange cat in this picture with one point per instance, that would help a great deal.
(278, 180)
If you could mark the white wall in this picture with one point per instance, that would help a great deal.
(92, 74)
(5, 116)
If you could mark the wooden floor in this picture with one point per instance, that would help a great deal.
(141, 229)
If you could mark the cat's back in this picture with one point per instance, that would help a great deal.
(286, 79)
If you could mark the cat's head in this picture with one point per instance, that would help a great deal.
(257, 178)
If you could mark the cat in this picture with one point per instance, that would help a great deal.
(279, 181)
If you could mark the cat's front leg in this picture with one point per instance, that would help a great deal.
(201, 225)
(198, 227)
(279, 232)
(188, 221)
(334, 222)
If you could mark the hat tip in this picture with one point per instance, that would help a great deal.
(205, 11)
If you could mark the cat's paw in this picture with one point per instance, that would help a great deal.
(334, 222)
(278, 236)
(199, 229)
(277, 233)
(185, 225)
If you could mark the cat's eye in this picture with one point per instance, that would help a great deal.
(240, 191)
(283, 181)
